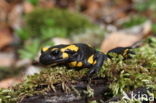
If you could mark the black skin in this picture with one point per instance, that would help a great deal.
(122, 51)
(54, 56)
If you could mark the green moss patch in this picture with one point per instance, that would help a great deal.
(40, 84)
(48, 23)
(6, 72)
(133, 21)
(139, 71)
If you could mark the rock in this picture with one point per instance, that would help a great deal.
(32, 70)
(7, 59)
(58, 41)
(22, 63)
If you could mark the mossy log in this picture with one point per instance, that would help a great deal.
(78, 93)
(99, 88)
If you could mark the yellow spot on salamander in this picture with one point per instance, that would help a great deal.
(70, 47)
(73, 64)
(94, 62)
(79, 64)
(90, 59)
(65, 55)
(44, 49)
(125, 52)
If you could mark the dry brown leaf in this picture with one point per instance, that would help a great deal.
(3, 12)
(5, 37)
(127, 37)
(28, 7)
(6, 59)
(47, 3)
(15, 17)
(10, 82)
(92, 7)
(118, 39)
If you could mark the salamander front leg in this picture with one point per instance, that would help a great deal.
(99, 62)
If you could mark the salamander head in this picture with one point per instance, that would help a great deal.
(57, 54)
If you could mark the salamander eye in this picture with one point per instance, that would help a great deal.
(55, 52)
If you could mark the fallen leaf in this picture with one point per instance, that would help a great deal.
(10, 82)
(6, 37)
(47, 3)
(7, 59)
(126, 37)
(15, 17)
(28, 7)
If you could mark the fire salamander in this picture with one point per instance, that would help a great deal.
(77, 56)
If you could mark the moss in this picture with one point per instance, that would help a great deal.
(40, 83)
(54, 22)
(127, 101)
(28, 51)
(139, 71)
(144, 5)
(133, 21)
(34, 2)
(154, 28)
(94, 101)
(6, 72)
(122, 75)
